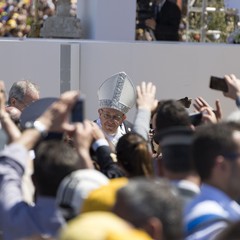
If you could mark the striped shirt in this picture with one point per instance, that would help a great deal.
(209, 213)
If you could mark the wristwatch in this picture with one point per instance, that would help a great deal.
(40, 127)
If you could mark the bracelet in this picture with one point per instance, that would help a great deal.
(40, 127)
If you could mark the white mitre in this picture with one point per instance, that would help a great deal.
(117, 92)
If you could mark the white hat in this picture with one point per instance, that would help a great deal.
(117, 92)
(74, 189)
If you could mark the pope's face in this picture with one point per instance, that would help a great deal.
(110, 119)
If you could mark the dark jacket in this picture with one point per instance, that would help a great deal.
(167, 22)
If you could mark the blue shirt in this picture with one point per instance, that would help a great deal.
(209, 213)
(17, 218)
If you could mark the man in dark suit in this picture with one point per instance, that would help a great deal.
(166, 21)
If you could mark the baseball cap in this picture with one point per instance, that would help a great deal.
(74, 189)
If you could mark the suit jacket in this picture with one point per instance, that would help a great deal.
(167, 22)
(106, 164)
(127, 125)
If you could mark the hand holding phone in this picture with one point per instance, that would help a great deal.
(218, 83)
(78, 111)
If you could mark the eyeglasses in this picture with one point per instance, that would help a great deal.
(24, 104)
(116, 118)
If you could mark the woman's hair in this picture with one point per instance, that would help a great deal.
(133, 155)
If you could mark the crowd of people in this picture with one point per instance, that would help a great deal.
(18, 17)
(163, 176)
(161, 20)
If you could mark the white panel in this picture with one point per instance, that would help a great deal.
(38, 61)
(177, 69)
(108, 19)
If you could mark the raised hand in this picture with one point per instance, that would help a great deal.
(56, 117)
(233, 86)
(146, 96)
(201, 105)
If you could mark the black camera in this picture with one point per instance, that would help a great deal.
(78, 111)
(196, 118)
(218, 83)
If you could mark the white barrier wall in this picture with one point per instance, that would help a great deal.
(34, 60)
(177, 69)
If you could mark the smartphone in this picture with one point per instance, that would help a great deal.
(218, 83)
(195, 118)
(77, 114)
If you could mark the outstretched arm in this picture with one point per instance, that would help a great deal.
(146, 102)
(54, 119)
(233, 88)
(103, 154)
(82, 138)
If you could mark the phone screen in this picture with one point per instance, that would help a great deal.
(196, 118)
(78, 111)
(218, 84)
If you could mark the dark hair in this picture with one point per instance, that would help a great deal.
(133, 155)
(20, 88)
(144, 198)
(175, 145)
(177, 158)
(54, 160)
(210, 141)
(171, 113)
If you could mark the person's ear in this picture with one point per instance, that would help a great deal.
(220, 163)
(192, 127)
(159, 166)
(13, 101)
(124, 117)
(154, 228)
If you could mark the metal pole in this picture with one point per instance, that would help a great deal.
(187, 20)
(203, 20)
(35, 28)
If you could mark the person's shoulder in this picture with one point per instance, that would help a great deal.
(200, 211)
(203, 216)
(197, 205)
(128, 126)
(171, 5)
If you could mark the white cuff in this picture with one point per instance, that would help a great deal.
(100, 142)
